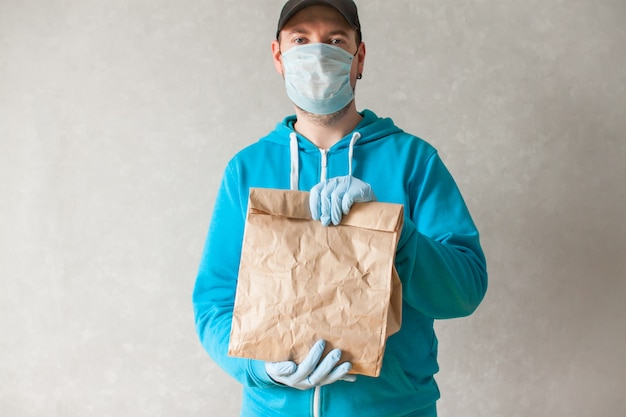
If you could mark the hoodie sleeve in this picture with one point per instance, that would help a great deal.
(214, 292)
(439, 257)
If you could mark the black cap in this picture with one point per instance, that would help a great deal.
(347, 8)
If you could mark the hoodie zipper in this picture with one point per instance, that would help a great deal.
(323, 174)
(324, 164)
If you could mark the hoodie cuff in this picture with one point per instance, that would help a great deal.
(257, 373)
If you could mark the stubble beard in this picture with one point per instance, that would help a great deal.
(327, 120)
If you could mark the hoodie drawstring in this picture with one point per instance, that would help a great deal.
(293, 146)
(355, 136)
(294, 176)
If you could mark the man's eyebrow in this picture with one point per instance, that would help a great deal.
(339, 32)
(303, 31)
(297, 30)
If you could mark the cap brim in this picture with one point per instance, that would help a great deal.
(287, 14)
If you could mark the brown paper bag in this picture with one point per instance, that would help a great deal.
(300, 281)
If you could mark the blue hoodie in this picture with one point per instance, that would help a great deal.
(439, 260)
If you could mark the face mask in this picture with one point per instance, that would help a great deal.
(317, 77)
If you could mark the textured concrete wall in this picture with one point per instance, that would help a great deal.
(117, 119)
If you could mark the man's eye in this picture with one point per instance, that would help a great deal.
(336, 41)
(298, 40)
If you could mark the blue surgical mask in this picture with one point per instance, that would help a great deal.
(317, 77)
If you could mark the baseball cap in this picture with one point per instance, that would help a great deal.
(347, 8)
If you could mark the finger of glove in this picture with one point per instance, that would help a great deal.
(336, 200)
(359, 192)
(339, 373)
(280, 369)
(348, 378)
(325, 367)
(326, 202)
(315, 201)
(309, 363)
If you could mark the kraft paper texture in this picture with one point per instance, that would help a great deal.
(300, 281)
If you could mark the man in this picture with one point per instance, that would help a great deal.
(343, 156)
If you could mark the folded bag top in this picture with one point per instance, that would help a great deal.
(386, 217)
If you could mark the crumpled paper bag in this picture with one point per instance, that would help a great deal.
(300, 281)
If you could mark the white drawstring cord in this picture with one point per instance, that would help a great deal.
(355, 136)
(293, 147)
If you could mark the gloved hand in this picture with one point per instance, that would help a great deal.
(329, 199)
(309, 373)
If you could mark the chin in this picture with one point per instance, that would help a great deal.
(327, 119)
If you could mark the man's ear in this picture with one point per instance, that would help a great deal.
(360, 56)
(277, 57)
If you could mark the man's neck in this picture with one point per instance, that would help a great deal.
(325, 131)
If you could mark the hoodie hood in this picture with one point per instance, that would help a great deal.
(371, 128)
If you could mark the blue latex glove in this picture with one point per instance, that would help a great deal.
(330, 199)
(311, 372)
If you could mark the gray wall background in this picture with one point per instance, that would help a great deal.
(117, 119)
